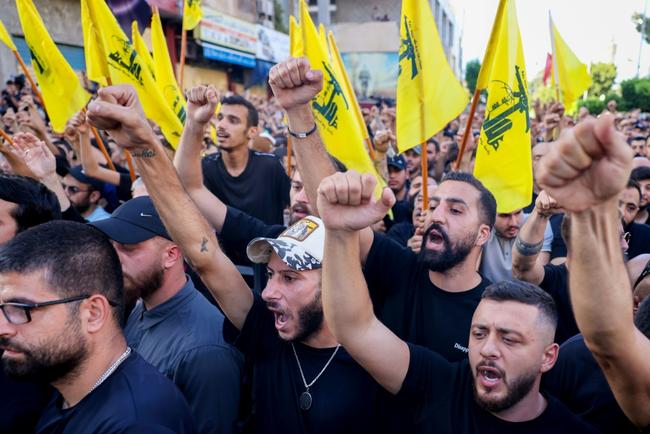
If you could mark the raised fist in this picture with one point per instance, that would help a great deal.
(294, 83)
(346, 202)
(546, 206)
(588, 165)
(201, 104)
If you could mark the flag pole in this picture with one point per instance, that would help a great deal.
(6, 136)
(424, 164)
(468, 128)
(29, 77)
(181, 71)
(289, 151)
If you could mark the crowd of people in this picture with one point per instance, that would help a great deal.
(227, 287)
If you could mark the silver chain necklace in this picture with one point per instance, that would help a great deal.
(305, 399)
(106, 373)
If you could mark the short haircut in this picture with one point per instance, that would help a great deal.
(642, 317)
(435, 144)
(631, 183)
(640, 174)
(75, 259)
(252, 118)
(487, 202)
(526, 293)
(35, 203)
(637, 138)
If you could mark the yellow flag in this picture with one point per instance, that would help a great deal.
(333, 106)
(164, 71)
(192, 14)
(125, 66)
(62, 92)
(96, 58)
(428, 93)
(295, 38)
(349, 90)
(503, 159)
(142, 49)
(6, 38)
(572, 75)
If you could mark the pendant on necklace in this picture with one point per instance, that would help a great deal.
(305, 400)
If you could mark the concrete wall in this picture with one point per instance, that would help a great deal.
(61, 17)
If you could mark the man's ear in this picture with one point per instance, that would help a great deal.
(483, 235)
(252, 132)
(95, 196)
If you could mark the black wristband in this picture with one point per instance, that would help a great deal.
(303, 135)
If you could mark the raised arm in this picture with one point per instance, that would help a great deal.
(201, 104)
(88, 154)
(294, 84)
(585, 171)
(527, 261)
(118, 111)
(347, 206)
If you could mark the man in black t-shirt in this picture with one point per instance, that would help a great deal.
(428, 298)
(304, 381)
(495, 390)
(240, 177)
(60, 292)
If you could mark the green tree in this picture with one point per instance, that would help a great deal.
(472, 69)
(642, 25)
(602, 77)
(636, 94)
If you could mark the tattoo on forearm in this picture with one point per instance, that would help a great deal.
(204, 245)
(147, 153)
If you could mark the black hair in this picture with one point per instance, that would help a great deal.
(642, 317)
(487, 202)
(526, 293)
(75, 258)
(631, 183)
(640, 173)
(635, 138)
(35, 203)
(435, 143)
(252, 118)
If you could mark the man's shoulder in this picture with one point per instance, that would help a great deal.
(559, 415)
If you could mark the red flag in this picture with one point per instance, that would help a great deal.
(548, 67)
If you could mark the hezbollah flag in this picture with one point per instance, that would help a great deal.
(5, 38)
(295, 38)
(191, 14)
(428, 93)
(503, 160)
(569, 74)
(332, 107)
(142, 49)
(117, 55)
(164, 71)
(62, 92)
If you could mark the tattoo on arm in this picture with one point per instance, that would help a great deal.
(147, 153)
(204, 245)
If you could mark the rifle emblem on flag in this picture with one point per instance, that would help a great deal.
(408, 51)
(328, 108)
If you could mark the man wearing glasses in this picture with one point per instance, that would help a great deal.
(84, 193)
(60, 292)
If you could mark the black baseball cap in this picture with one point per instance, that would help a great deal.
(133, 222)
(78, 173)
(397, 162)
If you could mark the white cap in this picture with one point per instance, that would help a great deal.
(300, 246)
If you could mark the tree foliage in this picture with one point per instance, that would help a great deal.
(278, 13)
(636, 94)
(472, 69)
(603, 76)
(642, 25)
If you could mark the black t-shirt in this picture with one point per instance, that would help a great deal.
(238, 230)
(639, 239)
(261, 190)
(556, 284)
(135, 398)
(21, 404)
(558, 246)
(401, 232)
(411, 306)
(344, 397)
(577, 381)
(442, 393)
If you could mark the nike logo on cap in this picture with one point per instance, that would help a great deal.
(145, 215)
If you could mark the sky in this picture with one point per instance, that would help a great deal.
(589, 27)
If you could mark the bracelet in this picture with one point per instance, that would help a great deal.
(303, 135)
(528, 249)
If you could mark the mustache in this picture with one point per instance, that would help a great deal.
(7, 344)
(300, 207)
(440, 230)
(490, 364)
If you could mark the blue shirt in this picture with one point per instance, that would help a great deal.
(133, 399)
(98, 214)
(182, 337)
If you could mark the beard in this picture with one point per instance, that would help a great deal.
(310, 319)
(52, 361)
(519, 388)
(145, 284)
(451, 254)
